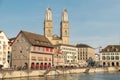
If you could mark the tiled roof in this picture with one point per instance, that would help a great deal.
(11, 40)
(37, 39)
(83, 46)
(111, 48)
(55, 37)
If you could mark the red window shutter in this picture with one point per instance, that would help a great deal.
(47, 49)
(51, 50)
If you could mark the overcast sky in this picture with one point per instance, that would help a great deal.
(94, 22)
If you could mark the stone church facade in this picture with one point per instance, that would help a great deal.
(64, 28)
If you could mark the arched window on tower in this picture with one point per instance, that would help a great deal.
(49, 31)
(65, 32)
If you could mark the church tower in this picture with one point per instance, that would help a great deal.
(64, 27)
(48, 25)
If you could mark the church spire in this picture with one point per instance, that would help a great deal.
(64, 15)
(64, 29)
(48, 25)
(48, 15)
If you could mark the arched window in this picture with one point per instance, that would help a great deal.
(49, 31)
(113, 64)
(117, 63)
(108, 64)
(41, 65)
(49, 65)
(37, 65)
(65, 32)
(32, 65)
(104, 63)
(45, 65)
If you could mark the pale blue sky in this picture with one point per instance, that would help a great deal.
(94, 22)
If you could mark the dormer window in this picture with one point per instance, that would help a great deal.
(112, 47)
(37, 41)
(116, 49)
(108, 50)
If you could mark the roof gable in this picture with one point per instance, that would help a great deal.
(36, 39)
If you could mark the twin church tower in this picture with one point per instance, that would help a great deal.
(64, 28)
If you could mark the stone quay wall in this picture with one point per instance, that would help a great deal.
(18, 74)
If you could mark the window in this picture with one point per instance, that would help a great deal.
(108, 50)
(49, 59)
(103, 57)
(51, 50)
(49, 31)
(1, 37)
(57, 42)
(45, 58)
(108, 58)
(47, 49)
(112, 57)
(40, 59)
(42, 49)
(65, 32)
(116, 57)
(33, 58)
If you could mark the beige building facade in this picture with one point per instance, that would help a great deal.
(110, 56)
(64, 28)
(84, 53)
(31, 51)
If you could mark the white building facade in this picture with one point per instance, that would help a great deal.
(70, 54)
(4, 50)
(110, 56)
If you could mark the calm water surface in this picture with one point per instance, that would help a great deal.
(82, 76)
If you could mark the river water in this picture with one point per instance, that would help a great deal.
(81, 76)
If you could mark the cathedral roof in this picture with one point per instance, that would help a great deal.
(55, 37)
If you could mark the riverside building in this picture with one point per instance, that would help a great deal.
(110, 56)
(4, 50)
(84, 53)
(33, 51)
(68, 54)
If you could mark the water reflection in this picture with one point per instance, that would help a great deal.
(82, 76)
